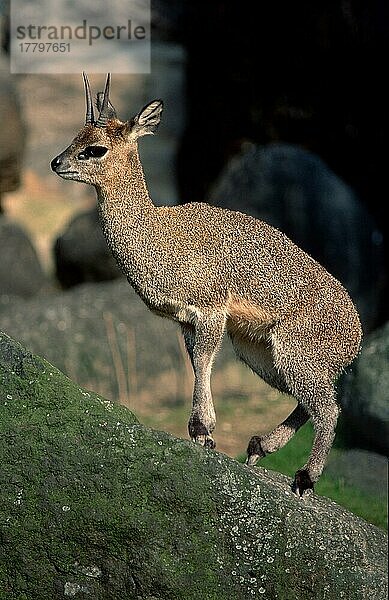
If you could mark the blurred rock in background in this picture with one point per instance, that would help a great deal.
(81, 253)
(364, 394)
(21, 273)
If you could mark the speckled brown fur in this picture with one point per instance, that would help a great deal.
(216, 270)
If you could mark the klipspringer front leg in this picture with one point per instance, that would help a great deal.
(202, 341)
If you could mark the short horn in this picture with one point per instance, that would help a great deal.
(89, 119)
(105, 110)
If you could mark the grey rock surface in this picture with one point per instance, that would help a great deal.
(94, 505)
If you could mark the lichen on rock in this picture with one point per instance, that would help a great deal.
(95, 505)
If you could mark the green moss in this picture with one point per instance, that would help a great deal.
(94, 505)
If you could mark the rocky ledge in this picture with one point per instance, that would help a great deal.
(95, 505)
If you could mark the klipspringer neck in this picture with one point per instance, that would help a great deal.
(125, 191)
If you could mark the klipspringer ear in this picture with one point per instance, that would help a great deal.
(147, 120)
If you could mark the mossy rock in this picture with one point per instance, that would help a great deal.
(95, 505)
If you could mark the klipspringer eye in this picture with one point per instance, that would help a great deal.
(92, 152)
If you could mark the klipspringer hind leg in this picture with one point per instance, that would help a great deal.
(202, 341)
(259, 446)
(323, 411)
(302, 352)
(324, 416)
(258, 355)
(285, 372)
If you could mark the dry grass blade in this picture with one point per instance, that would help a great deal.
(121, 378)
